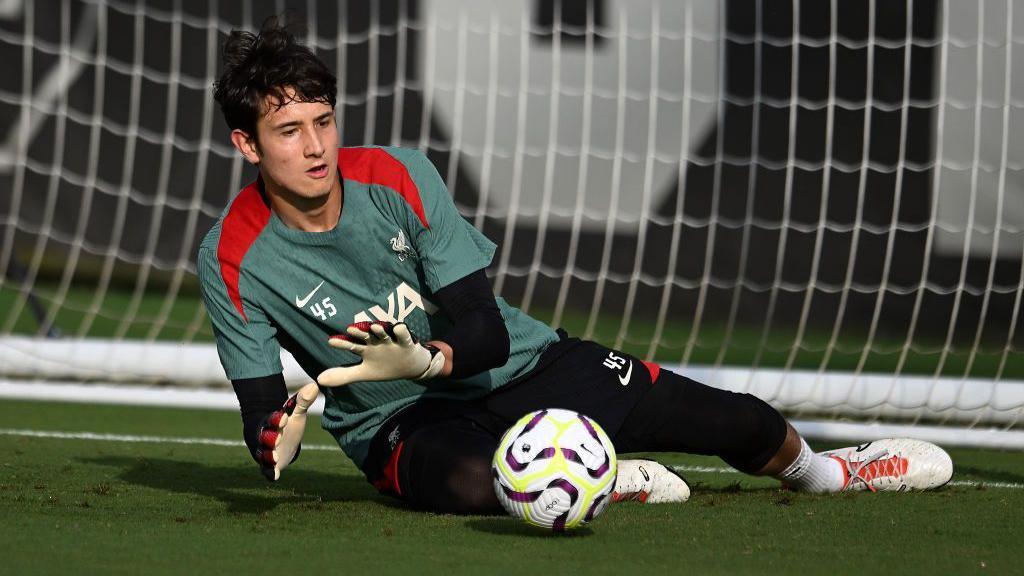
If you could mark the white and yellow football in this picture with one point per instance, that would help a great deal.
(555, 469)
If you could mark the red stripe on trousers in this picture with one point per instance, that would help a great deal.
(389, 481)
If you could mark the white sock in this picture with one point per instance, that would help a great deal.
(812, 472)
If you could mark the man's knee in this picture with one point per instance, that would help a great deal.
(757, 435)
(449, 471)
(471, 486)
(681, 415)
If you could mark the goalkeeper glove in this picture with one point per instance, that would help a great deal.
(280, 433)
(388, 352)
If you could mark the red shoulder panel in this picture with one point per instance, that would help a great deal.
(244, 221)
(376, 166)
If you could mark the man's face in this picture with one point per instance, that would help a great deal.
(297, 148)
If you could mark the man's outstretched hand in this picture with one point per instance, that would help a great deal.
(389, 352)
(281, 432)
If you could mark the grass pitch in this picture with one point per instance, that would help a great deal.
(89, 506)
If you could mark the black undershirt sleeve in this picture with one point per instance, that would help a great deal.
(258, 397)
(478, 337)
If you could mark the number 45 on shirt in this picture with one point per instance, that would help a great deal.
(323, 309)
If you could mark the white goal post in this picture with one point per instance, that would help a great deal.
(821, 203)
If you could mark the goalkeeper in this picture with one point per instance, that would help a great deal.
(430, 367)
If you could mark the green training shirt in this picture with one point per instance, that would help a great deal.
(398, 241)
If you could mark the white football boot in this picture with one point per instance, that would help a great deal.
(896, 464)
(649, 482)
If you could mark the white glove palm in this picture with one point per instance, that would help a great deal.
(389, 352)
(281, 433)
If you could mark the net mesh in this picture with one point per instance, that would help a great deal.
(820, 202)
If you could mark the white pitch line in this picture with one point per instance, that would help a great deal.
(985, 484)
(711, 469)
(143, 439)
(99, 437)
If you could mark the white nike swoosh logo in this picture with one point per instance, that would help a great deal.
(302, 303)
(624, 380)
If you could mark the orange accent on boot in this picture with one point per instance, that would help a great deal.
(846, 470)
(893, 466)
(632, 496)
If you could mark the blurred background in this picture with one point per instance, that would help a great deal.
(753, 190)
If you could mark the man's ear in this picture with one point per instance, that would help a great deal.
(246, 144)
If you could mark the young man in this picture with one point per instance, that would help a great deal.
(431, 368)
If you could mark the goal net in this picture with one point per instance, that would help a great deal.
(821, 203)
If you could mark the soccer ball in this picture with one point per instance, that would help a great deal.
(554, 469)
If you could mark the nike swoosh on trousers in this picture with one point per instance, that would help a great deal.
(624, 380)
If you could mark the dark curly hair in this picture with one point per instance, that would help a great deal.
(267, 63)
